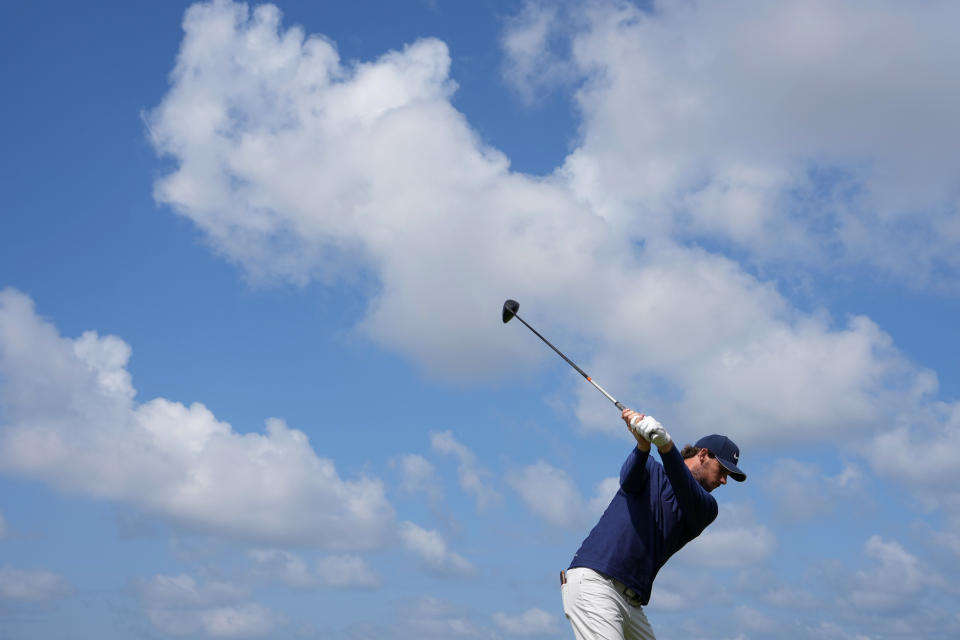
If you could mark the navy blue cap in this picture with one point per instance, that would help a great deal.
(727, 453)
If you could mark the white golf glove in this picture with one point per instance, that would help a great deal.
(651, 431)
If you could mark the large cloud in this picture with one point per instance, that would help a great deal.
(893, 575)
(69, 417)
(550, 493)
(298, 166)
(819, 133)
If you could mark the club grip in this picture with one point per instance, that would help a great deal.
(620, 405)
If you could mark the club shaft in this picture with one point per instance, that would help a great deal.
(572, 364)
(604, 392)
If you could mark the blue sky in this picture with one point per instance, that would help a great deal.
(253, 378)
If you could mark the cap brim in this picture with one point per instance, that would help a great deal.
(732, 470)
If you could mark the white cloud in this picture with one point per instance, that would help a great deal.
(735, 540)
(71, 421)
(21, 586)
(269, 133)
(432, 550)
(551, 494)
(788, 596)
(347, 572)
(418, 475)
(179, 605)
(288, 568)
(431, 618)
(333, 571)
(532, 62)
(313, 201)
(532, 622)
(818, 133)
(937, 429)
(802, 491)
(894, 576)
(751, 619)
(243, 621)
(472, 477)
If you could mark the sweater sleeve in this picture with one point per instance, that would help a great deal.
(633, 473)
(699, 507)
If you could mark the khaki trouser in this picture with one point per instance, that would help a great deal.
(598, 608)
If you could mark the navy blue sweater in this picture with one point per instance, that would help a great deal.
(657, 510)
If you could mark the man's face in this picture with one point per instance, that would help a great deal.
(708, 472)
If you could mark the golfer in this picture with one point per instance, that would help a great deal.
(657, 509)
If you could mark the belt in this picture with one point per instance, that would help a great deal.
(633, 598)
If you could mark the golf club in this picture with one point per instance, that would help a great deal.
(510, 308)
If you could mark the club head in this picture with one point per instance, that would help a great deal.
(509, 310)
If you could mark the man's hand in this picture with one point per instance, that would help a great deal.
(632, 418)
(654, 432)
(648, 428)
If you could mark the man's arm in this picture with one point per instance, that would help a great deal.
(699, 507)
(633, 473)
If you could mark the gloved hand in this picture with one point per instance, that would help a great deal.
(651, 430)
(632, 418)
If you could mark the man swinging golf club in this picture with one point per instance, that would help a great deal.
(657, 509)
